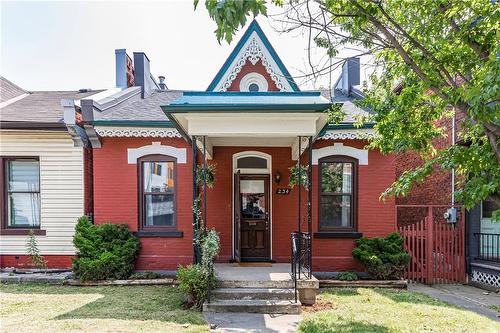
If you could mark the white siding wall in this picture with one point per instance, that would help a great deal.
(61, 188)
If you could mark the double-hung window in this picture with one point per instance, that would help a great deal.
(20, 193)
(157, 193)
(337, 193)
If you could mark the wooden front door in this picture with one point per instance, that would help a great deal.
(253, 208)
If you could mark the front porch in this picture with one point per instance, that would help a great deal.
(260, 288)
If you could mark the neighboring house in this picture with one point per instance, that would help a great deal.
(254, 123)
(42, 180)
(482, 235)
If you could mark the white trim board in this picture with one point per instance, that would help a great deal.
(156, 149)
(339, 149)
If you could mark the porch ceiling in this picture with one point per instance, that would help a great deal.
(250, 129)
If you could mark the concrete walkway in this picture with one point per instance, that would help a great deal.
(276, 272)
(467, 297)
(252, 322)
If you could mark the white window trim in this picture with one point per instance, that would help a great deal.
(339, 149)
(256, 78)
(156, 149)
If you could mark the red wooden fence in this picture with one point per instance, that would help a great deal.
(437, 248)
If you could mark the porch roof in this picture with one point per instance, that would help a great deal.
(249, 118)
(249, 101)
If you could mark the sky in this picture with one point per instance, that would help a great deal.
(70, 45)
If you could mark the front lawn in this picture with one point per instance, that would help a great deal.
(45, 308)
(386, 311)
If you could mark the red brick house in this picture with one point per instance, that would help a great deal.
(253, 123)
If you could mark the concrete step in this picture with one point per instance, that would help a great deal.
(253, 294)
(279, 284)
(253, 306)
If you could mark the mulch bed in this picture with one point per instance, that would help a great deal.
(320, 305)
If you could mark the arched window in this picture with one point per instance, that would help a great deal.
(337, 193)
(254, 82)
(252, 162)
(157, 192)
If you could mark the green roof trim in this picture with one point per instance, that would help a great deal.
(135, 123)
(348, 126)
(244, 107)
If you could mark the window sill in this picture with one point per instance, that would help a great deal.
(171, 234)
(22, 232)
(338, 234)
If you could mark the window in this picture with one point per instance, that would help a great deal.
(157, 192)
(251, 162)
(488, 206)
(253, 82)
(21, 193)
(253, 87)
(337, 197)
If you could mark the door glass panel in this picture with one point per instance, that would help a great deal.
(253, 199)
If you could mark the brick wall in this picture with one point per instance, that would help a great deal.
(375, 217)
(88, 181)
(249, 68)
(23, 261)
(436, 189)
(116, 200)
(115, 194)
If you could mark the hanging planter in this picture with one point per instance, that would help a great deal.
(210, 175)
(294, 176)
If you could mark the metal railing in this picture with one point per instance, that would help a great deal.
(300, 257)
(488, 246)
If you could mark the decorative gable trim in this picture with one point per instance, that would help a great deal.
(349, 134)
(156, 149)
(137, 132)
(253, 46)
(339, 149)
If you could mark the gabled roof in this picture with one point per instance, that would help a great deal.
(40, 107)
(146, 109)
(254, 44)
(9, 90)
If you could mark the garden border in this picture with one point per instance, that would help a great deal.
(395, 284)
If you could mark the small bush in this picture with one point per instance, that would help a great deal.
(36, 259)
(147, 275)
(194, 279)
(104, 252)
(383, 257)
(347, 276)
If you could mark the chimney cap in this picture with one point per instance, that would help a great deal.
(162, 84)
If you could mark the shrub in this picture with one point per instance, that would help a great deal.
(104, 252)
(36, 259)
(347, 276)
(147, 275)
(194, 279)
(382, 257)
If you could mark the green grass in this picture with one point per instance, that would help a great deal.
(46, 308)
(387, 311)
(495, 307)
